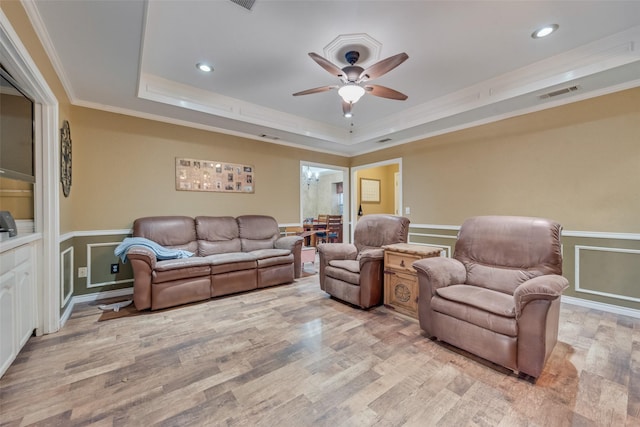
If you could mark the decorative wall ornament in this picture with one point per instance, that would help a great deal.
(65, 158)
(209, 175)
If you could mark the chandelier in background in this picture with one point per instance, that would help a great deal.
(310, 177)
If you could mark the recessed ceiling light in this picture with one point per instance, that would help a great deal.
(544, 31)
(204, 67)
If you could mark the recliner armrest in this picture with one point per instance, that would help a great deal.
(548, 287)
(331, 251)
(371, 254)
(440, 272)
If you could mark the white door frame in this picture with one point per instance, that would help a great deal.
(354, 184)
(15, 57)
(345, 191)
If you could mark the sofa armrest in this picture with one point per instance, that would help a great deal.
(438, 272)
(143, 254)
(369, 255)
(287, 242)
(143, 262)
(546, 287)
(293, 244)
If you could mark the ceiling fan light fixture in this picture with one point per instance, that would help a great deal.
(544, 31)
(351, 93)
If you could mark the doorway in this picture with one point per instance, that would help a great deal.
(324, 190)
(382, 192)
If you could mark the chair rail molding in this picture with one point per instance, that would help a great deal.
(578, 243)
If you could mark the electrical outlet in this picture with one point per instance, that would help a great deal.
(82, 272)
(115, 268)
(407, 210)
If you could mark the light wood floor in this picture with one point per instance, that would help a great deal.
(291, 356)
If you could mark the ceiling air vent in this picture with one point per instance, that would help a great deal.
(383, 140)
(559, 92)
(247, 4)
(264, 135)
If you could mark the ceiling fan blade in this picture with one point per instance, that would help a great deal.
(380, 68)
(385, 92)
(326, 64)
(315, 90)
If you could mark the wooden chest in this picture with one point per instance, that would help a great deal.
(400, 279)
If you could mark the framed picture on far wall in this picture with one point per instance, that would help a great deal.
(369, 190)
(210, 175)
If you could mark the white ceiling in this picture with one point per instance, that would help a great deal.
(469, 62)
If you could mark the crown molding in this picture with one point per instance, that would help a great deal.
(43, 35)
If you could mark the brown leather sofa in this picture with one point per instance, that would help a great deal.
(354, 272)
(231, 255)
(499, 296)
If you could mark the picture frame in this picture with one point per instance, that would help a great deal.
(214, 176)
(369, 190)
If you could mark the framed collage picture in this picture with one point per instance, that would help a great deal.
(210, 175)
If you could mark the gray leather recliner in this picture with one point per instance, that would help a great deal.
(354, 272)
(499, 296)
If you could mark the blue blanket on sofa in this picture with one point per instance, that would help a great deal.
(160, 251)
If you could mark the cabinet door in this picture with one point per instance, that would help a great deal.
(25, 299)
(8, 349)
(402, 293)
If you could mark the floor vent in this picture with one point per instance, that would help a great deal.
(559, 92)
(247, 4)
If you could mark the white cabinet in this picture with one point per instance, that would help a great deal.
(17, 302)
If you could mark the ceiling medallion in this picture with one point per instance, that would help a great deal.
(65, 158)
(368, 48)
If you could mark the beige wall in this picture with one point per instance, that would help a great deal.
(124, 168)
(577, 163)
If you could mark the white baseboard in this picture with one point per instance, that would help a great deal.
(92, 297)
(609, 308)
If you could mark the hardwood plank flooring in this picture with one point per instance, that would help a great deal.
(292, 356)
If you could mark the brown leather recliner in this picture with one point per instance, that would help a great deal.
(354, 272)
(499, 296)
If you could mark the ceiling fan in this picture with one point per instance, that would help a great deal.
(353, 78)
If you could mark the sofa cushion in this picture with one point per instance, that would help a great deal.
(484, 299)
(257, 232)
(175, 232)
(275, 260)
(488, 309)
(270, 253)
(345, 270)
(346, 264)
(501, 252)
(176, 269)
(217, 235)
(235, 261)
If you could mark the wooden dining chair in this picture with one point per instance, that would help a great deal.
(334, 229)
